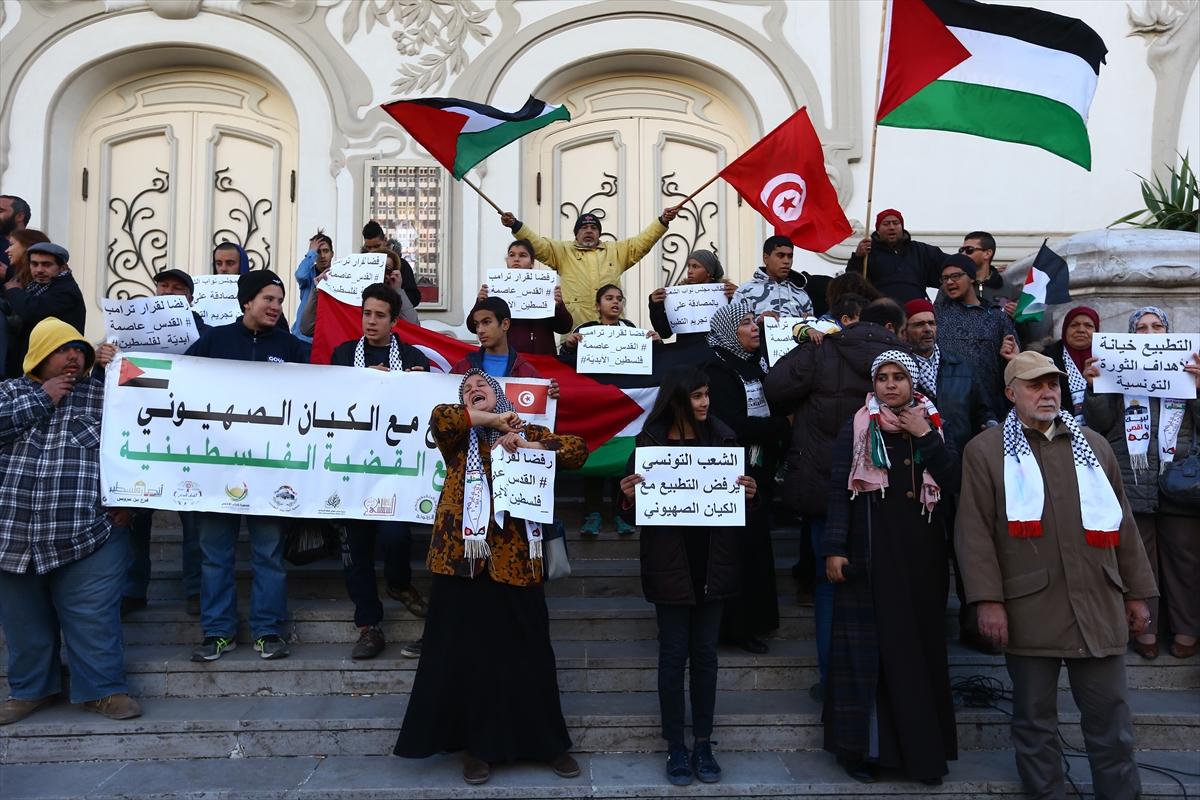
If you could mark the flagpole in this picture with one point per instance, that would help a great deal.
(479, 191)
(875, 126)
(698, 191)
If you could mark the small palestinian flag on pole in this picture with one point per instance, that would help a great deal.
(1048, 284)
(144, 373)
(1002, 72)
(460, 134)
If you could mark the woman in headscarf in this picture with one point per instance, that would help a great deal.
(888, 699)
(1070, 354)
(486, 682)
(1147, 434)
(735, 372)
(703, 266)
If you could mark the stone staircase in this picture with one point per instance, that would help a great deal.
(320, 725)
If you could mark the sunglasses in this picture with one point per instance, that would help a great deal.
(967, 249)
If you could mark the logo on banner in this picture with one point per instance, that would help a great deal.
(238, 492)
(187, 493)
(425, 506)
(380, 506)
(527, 398)
(284, 498)
(784, 195)
(333, 506)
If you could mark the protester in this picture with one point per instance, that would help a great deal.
(61, 573)
(375, 241)
(380, 349)
(687, 573)
(586, 264)
(51, 292)
(735, 372)
(254, 336)
(1146, 434)
(487, 683)
(17, 270)
(703, 267)
(1060, 580)
(775, 290)
(897, 266)
(1070, 354)
(990, 288)
(533, 336)
(845, 310)
(850, 283)
(983, 336)
(315, 262)
(14, 216)
(888, 700)
(230, 258)
(490, 320)
(19, 241)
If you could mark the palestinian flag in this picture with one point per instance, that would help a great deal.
(1002, 72)
(460, 134)
(1047, 284)
(146, 373)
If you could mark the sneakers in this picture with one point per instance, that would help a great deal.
(679, 772)
(624, 528)
(15, 710)
(212, 647)
(704, 763)
(271, 646)
(115, 706)
(412, 649)
(370, 643)
(591, 524)
(193, 605)
(411, 598)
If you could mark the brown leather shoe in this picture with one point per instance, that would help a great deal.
(475, 771)
(565, 767)
(15, 710)
(115, 706)
(370, 643)
(1147, 651)
(1184, 650)
(411, 598)
(979, 643)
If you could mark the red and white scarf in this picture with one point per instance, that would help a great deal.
(870, 463)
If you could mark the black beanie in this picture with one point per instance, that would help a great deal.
(966, 263)
(253, 282)
(585, 219)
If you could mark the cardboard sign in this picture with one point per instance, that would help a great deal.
(615, 349)
(347, 277)
(523, 483)
(689, 308)
(150, 324)
(215, 299)
(528, 292)
(690, 486)
(1148, 364)
(778, 335)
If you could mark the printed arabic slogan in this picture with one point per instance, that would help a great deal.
(778, 334)
(1148, 364)
(275, 439)
(615, 349)
(150, 324)
(523, 483)
(528, 292)
(348, 276)
(690, 307)
(215, 299)
(690, 486)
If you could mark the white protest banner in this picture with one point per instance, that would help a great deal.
(1149, 364)
(531, 399)
(689, 308)
(778, 334)
(690, 486)
(215, 299)
(293, 440)
(150, 324)
(523, 483)
(615, 349)
(347, 277)
(528, 292)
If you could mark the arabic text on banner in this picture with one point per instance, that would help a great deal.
(215, 299)
(690, 486)
(778, 335)
(690, 307)
(615, 349)
(350, 275)
(293, 440)
(523, 483)
(528, 292)
(150, 324)
(1148, 364)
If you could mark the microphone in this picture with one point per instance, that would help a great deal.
(849, 572)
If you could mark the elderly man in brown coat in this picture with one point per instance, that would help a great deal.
(1052, 557)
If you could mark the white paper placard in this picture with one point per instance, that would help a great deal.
(215, 299)
(528, 292)
(150, 324)
(1148, 364)
(689, 308)
(690, 486)
(523, 483)
(778, 334)
(348, 276)
(615, 349)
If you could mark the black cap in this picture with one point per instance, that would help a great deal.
(588, 219)
(59, 252)
(178, 275)
(253, 282)
(965, 263)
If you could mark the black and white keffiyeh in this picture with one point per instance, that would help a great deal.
(928, 371)
(722, 336)
(1077, 384)
(395, 364)
(34, 288)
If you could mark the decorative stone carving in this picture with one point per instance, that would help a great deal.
(1171, 29)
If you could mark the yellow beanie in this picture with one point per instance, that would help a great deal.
(46, 337)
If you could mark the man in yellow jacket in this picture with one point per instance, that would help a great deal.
(587, 263)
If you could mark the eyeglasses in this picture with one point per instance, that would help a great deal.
(953, 276)
(967, 249)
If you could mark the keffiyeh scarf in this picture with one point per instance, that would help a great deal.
(34, 288)
(928, 369)
(394, 362)
(1025, 491)
(1078, 386)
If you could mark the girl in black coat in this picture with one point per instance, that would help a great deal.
(686, 573)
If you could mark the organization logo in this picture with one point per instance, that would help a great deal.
(332, 507)
(380, 506)
(784, 195)
(425, 506)
(333, 501)
(284, 498)
(238, 492)
(138, 493)
(187, 493)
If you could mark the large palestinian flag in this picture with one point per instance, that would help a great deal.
(1001, 72)
(460, 134)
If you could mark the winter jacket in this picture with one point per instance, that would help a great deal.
(786, 298)
(517, 366)
(961, 400)
(901, 271)
(727, 398)
(236, 342)
(825, 385)
(61, 300)
(536, 336)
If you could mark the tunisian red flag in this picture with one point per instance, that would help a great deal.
(783, 178)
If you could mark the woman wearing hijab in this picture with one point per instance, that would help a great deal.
(1070, 354)
(1147, 434)
(888, 699)
(486, 682)
(703, 266)
(735, 372)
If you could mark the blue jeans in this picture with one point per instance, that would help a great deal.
(687, 636)
(80, 602)
(823, 605)
(218, 582)
(138, 576)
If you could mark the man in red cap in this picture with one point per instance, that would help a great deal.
(896, 265)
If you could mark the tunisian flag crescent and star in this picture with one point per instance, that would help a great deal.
(783, 178)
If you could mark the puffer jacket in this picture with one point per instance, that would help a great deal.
(901, 271)
(824, 384)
